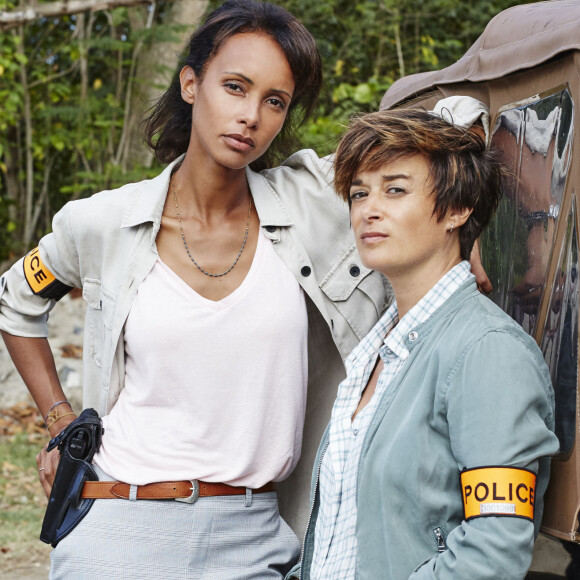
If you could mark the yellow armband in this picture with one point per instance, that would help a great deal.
(498, 491)
(41, 280)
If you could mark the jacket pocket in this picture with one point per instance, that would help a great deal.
(438, 537)
(360, 295)
(345, 276)
(97, 311)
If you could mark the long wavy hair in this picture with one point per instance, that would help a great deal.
(167, 128)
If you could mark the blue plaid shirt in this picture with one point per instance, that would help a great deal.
(335, 544)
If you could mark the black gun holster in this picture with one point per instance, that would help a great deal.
(77, 444)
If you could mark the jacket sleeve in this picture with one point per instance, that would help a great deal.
(501, 416)
(24, 313)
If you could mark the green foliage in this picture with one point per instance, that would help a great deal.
(22, 502)
(10, 91)
(76, 116)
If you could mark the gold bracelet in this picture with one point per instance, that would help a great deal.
(53, 417)
(56, 405)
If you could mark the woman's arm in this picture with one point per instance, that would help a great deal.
(28, 292)
(35, 363)
(500, 413)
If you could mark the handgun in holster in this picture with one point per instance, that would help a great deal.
(77, 444)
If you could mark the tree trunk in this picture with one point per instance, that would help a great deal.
(397, 27)
(154, 72)
(13, 183)
(36, 11)
(83, 33)
(29, 164)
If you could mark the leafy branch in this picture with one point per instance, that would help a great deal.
(37, 11)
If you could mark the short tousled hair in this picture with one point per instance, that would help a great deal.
(463, 172)
(167, 127)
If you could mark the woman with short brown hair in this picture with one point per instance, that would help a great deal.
(436, 457)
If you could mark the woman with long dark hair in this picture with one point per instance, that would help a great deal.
(209, 290)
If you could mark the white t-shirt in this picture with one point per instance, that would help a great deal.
(214, 390)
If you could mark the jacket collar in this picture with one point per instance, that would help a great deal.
(418, 333)
(271, 209)
(149, 200)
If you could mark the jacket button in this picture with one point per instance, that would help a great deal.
(306, 271)
(271, 229)
(354, 271)
(413, 336)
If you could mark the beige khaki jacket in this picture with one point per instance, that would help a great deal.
(106, 245)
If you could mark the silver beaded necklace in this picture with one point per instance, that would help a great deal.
(200, 268)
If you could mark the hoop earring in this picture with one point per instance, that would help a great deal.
(451, 229)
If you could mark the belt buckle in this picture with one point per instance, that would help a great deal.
(194, 493)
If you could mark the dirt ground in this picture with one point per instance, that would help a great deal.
(66, 330)
(36, 571)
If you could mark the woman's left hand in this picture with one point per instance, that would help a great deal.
(47, 463)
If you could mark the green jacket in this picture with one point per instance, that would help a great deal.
(474, 392)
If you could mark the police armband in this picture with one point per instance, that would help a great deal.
(41, 280)
(498, 491)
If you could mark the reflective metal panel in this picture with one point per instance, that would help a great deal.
(536, 140)
(517, 248)
(560, 337)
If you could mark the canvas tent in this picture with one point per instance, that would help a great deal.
(526, 68)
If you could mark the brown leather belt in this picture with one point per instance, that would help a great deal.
(185, 491)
